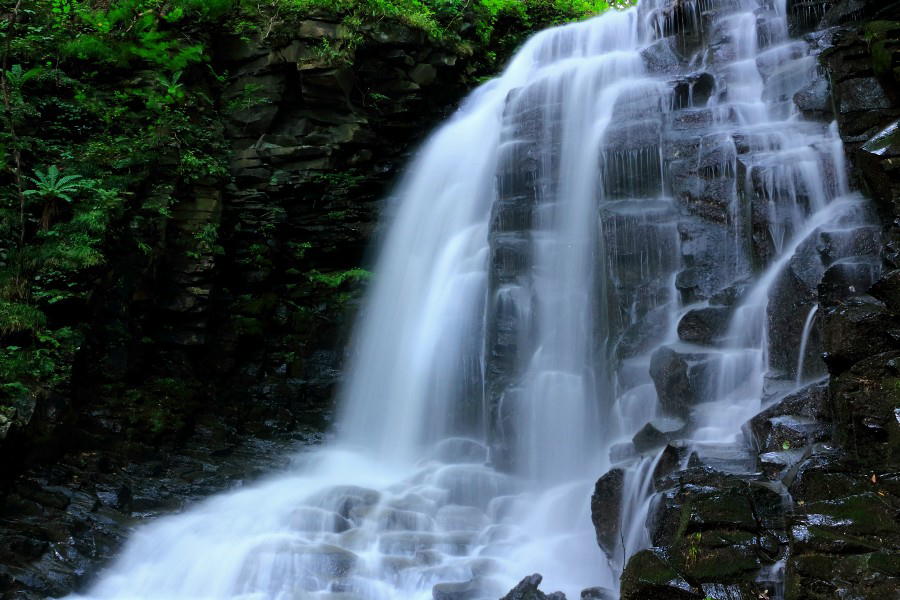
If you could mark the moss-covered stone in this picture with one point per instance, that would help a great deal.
(649, 574)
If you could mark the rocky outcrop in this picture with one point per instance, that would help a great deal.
(822, 495)
(712, 533)
(842, 530)
(527, 589)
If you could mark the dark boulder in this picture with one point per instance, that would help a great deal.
(679, 379)
(845, 280)
(731, 295)
(869, 576)
(814, 101)
(658, 433)
(866, 415)
(887, 289)
(598, 593)
(702, 499)
(649, 574)
(672, 457)
(527, 589)
(794, 422)
(606, 509)
(704, 325)
(860, 327)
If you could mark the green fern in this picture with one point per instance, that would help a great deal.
(50, 186)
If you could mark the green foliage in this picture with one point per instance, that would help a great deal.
(97, 110)
(51, 186)
(440, 19)
(249, 97)
(16, 317)
(205, 241)
(338, 278)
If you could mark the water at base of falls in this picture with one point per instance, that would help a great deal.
(623, 177)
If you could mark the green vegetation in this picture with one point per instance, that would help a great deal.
(439, 17)
(94, 109)
(110, 111)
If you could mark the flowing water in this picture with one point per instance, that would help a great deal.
(622, 176)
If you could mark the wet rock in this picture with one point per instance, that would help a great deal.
(703, 325)
(649, 574)
(348, 501)
(702, 255)
(824, 577)
(718, 529)
(621, 452)
(731, 295)
(671, 459)
(669, 371)
(887, 289)
(678, 378)
(598, 593)
(861, 94)
(702, 500)
(814, 101)
(866, 400)
(321, 29)
(661, 57)
(858, 243)
(606, 509)
(527, 589)
(845, 280)
(849, 525)
(694, 91)
(642, 335)
(860, 327)
(776, 465)
(657, 434)
(688, 282)
(794, 422)
(468, 590)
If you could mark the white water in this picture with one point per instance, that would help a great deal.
(804, 342)
(529, 275)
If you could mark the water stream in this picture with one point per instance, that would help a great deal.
(623, 176)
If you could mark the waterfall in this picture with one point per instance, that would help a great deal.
(586, 259)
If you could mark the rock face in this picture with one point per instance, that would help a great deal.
(711, 534)
(606, 509)
(822, 494)
(843, 531)
(528, 590)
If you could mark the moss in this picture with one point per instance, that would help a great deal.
(883, 38)
(861, 514)
(648, 567)
(724, 565)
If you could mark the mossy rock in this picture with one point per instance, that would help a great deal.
(733, 505)
(872, 576)
(866, 514)
(866, 400)
(649, 575)
(697, 562)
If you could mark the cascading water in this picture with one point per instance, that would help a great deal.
(623, 176)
